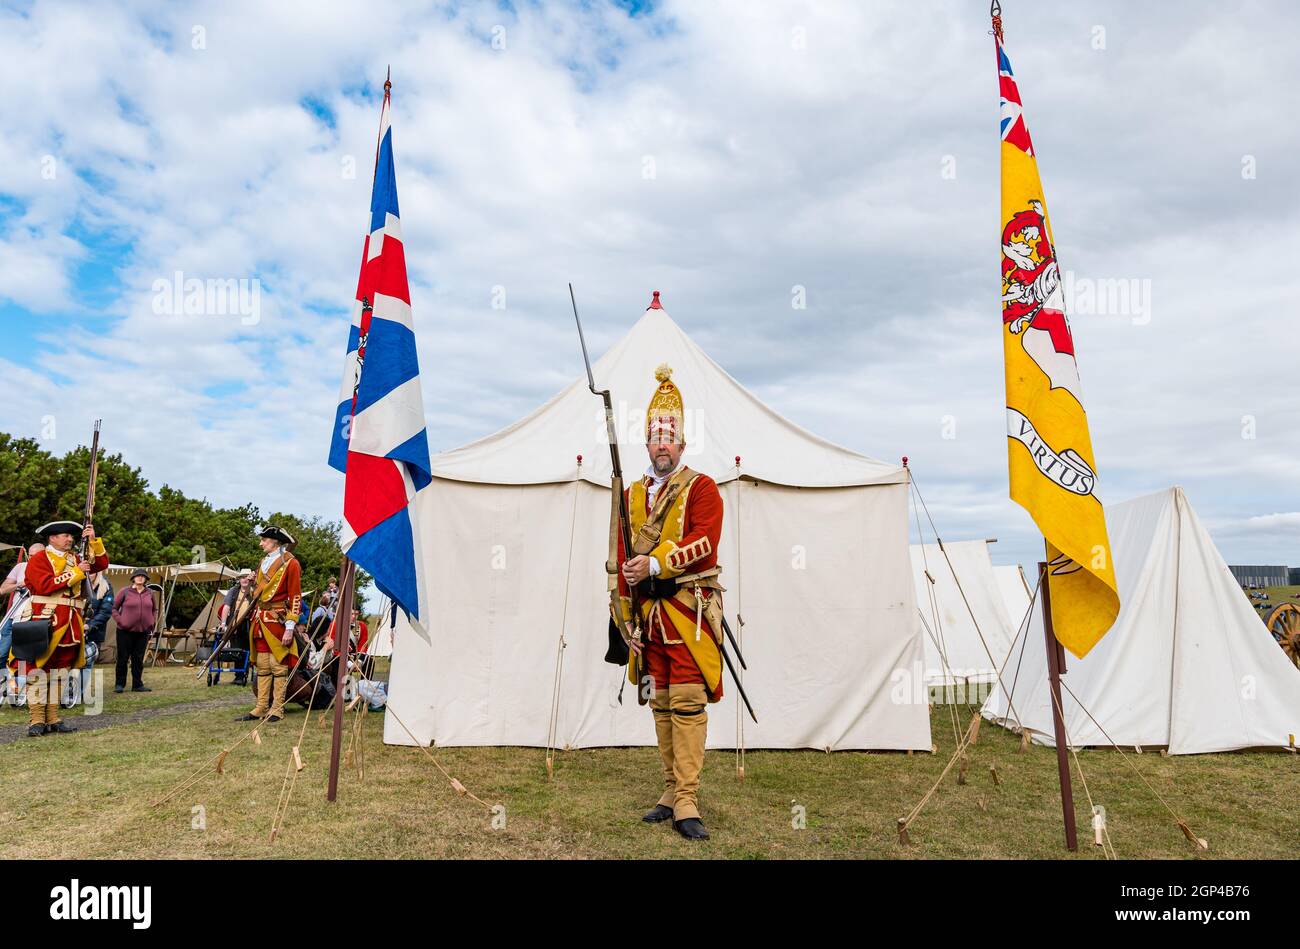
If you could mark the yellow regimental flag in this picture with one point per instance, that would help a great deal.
(1049, 451)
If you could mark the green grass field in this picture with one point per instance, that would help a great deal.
(1278, 595)
(89, 795)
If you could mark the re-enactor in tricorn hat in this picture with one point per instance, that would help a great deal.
(278, 591)
(676, 523)
(52, 639)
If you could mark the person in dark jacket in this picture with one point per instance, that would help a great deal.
(135, 615)
(99, 610)
(236, 597)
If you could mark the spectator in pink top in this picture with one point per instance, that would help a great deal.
(134, 613)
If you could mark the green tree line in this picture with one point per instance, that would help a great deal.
(142, 528)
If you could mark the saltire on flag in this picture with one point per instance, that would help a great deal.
(379, 440)
(1053, 472)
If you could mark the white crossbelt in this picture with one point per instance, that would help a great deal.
(75, 602)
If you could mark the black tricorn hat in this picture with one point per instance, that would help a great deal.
(46, 531)
(278, 534)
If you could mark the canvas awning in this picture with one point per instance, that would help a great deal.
(212, 572)
(168, 575)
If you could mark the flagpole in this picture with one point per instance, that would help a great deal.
(342, 622)
(347, 571)
(1055, 669)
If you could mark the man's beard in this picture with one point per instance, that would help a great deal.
(663, 464)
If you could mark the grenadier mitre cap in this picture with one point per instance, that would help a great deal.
(665, 417)
(278, 534)
(46, 531)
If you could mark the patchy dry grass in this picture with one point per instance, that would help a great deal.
(101, 785)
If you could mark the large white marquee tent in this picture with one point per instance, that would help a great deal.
(1187, 665)
(514, 542)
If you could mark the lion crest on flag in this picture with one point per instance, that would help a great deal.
(1052, 471)
(1033, 304)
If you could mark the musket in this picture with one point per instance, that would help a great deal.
(225, 630)
(213, 655)
(233, 623)
(633, 622)
(90, 490)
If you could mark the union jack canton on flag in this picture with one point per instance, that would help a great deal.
(380, 442)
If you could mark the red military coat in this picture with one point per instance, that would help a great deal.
(356, 645)
(51, 574)
(681, 643)
(281, 600)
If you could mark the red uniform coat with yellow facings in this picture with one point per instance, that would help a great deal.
(687, 545)
(284, 602)
(53, 574)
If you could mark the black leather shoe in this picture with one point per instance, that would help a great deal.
(658, 814)
(241, 682)
(35, 731)
(275, 718)
(692, 828)
(119, 688)
(250, 717)
(141, 688)
(59, 728)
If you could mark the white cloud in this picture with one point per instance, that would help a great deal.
(791, 144)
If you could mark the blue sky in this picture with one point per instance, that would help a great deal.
(847, 149)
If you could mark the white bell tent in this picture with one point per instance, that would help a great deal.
(515, 535)
(1188, 663)
(1016, 593)
(963, 619)
(381, 633)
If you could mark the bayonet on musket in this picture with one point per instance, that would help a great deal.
(631, 624)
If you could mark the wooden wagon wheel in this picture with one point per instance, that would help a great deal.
(1284, 623)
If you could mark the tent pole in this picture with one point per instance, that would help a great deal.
(207, 631)
(1055, 668)
(342, 635)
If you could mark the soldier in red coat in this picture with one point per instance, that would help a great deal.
(56, 578)
(278, 592)
(358, 644)
(676, 524)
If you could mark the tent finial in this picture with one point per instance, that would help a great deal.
(654, 304)
(904, 461)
